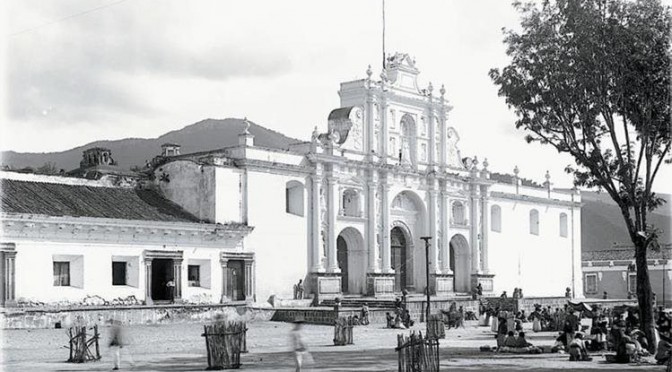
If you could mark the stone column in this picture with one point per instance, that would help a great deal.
(386, 249)
(384, 129)
(315, 225)
(371, 224)
(148, 281)
(332, 210)
(7, 259)
(249, 280)
(474, 230)
(224, 263)
(485, 229)
(432, 137)
(10, 266)
(369, 130)
(433, 249)
(177, 271)
(445, 241)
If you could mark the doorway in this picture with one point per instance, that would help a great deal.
(342, 258)
(235, 283)
(399, 259)
(162, 272)
(460, 264)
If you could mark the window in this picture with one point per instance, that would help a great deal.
(534, 222)
(563, 225)
(591, 283)
(194, 275)
(119, 273)
(61, 273)
(458, 214)
(632, 282)
(294, 198)
(496, 218)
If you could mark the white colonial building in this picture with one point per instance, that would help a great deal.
(345, 211)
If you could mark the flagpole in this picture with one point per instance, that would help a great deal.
(383, 34)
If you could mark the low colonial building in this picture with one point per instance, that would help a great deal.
(66, 239)
(613, 271)
(345, 212)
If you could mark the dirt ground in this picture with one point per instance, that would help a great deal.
(180, 347)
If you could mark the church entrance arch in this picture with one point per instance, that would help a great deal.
(460, 263)
(351, 260)
(401, 246)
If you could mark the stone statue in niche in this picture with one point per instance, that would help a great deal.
(356, 133)
(405, 152)
(452, 152)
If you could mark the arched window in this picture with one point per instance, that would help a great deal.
(350, 204)
(534, 222)
(496, 218)
(563, 225)
(294, 198)
(458, 213)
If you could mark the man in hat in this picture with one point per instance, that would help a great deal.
(571, 324)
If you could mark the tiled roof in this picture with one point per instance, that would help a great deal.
(622, 254)
(55, 199)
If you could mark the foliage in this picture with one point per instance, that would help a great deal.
(592, 78)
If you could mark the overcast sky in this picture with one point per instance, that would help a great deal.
(85, 70)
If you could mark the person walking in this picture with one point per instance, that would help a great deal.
(116, 342)
(301, 354)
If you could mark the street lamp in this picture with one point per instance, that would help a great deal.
(427, 239)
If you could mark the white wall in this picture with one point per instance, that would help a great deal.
(540, 264)
(34, 270)
(191, 186)
(279, 238)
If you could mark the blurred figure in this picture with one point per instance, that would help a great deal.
(365, 314)
(301, 354)
(116, 342)
(170, 286)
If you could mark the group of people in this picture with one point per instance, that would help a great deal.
(517, 293)
(402, 317)
(299, 290)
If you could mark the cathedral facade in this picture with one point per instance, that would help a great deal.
(346, 211)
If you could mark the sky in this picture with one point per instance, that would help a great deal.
(76, 71)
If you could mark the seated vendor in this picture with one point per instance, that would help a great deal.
(511, 340)
(577, 349)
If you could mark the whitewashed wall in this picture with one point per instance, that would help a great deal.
(540, 264)
(279, 238)
(35, 281)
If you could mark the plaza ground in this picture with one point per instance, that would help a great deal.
(180, 347)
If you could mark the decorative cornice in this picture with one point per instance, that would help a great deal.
(50, 228)
(532, 199)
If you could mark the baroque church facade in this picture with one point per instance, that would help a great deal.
(345, 211)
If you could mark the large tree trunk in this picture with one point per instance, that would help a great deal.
(645, 294)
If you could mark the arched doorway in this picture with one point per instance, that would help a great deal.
(351, 260)
(399, 260)
(460, 263)
(342, 258)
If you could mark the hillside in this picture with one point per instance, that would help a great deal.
(602, 224)
(205, 135)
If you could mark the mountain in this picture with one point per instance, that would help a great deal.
(209, 134)
(602, 224)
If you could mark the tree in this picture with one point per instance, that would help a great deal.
(592, 78)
